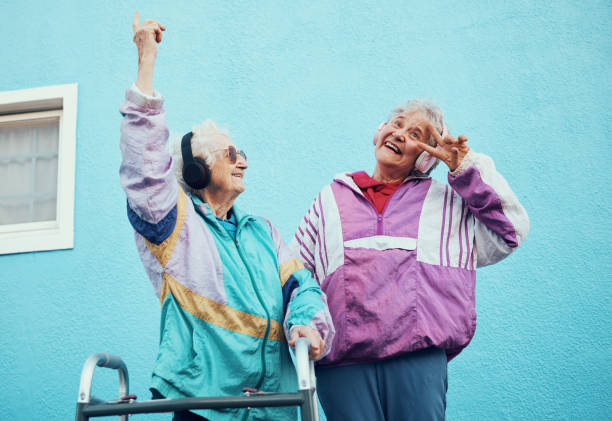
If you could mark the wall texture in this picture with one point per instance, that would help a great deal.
(302, 86)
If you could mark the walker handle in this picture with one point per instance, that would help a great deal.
(304, 366)
(109, 361)
(102, 359)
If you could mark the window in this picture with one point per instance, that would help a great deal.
(37, 160)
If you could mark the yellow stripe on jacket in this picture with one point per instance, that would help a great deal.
(287, 269)
(219, 314)
(163, 251)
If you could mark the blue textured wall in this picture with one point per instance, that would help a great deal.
(301, 88)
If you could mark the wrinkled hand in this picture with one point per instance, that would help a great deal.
(317, 344)
(450, 150)
(146, 36)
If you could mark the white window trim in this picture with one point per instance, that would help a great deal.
(58, 234)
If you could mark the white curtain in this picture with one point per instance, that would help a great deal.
(28, 170)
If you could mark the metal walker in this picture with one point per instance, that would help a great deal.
(90, 407)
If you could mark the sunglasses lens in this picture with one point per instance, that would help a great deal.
(232, 154)
(243, 155)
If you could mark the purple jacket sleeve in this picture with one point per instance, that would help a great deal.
(146, 167)
(306, 304)
(502, 223)
(303, 243)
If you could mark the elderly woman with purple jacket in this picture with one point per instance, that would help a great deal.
(396, 254)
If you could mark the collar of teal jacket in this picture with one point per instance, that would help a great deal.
(203, 209)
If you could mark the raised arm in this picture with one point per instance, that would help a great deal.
(146, 37)
(146, 167)
(502, 223)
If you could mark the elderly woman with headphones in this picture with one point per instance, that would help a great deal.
(396, 254)
(231, 292)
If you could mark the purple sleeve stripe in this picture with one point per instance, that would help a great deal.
(302, 240)
(302, 232)
(443, 225)
(311, 236)
(460, 236)
(314, 230)
(321, 256)
(467, 240)
(304, 248)
(308, 262)
(323, 226)
(472, 259)
(314, 208)
(485, 204)
(450, 226)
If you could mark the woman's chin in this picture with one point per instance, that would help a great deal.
(239, 187)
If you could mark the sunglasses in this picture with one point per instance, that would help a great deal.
(233, 153)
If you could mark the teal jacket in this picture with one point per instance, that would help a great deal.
(227, 304)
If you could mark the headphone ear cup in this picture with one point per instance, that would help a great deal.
(196, 173)
(425, 162)
(377, 133)
(205, 172)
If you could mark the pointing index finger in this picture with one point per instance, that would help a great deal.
(435, 133)
(136, 20)
(438, 153)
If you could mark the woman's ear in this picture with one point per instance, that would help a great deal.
(377, 134)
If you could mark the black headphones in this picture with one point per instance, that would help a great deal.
(195, 171)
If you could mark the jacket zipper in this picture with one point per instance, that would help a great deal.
(379, 228)
(261, 302)
(379, 216)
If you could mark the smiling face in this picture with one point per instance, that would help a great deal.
(225, 177)
(396, 148)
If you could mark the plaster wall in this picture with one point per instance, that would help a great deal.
(302, 85)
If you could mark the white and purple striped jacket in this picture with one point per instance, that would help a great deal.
(404, 280)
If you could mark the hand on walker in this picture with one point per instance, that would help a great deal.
(317, 344)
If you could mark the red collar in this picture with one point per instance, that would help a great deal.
(363, 181)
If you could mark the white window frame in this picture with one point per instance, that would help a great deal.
(35, 103)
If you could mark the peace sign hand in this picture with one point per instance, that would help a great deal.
(450, 150)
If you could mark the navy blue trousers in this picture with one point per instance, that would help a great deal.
(411, 387)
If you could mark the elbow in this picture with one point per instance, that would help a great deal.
(522, 229)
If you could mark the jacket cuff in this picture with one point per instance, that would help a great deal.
(467, 161)
(137, 97)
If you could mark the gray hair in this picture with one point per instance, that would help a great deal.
(432, 113)
(203, 143)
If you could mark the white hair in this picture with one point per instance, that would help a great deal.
(432, 113)
(428, 108)
(203, 143)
